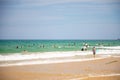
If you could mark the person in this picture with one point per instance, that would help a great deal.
(84, 48)
(17, 47)
(24, 51)
(94, 51)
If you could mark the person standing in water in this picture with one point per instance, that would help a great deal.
(94, 51)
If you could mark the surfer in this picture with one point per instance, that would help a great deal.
(94, 51)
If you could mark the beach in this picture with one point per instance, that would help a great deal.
(97, 69)
(59, 60)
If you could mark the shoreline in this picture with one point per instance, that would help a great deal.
(56, 54)
(101, 69)
(48, 61)
(54, 57)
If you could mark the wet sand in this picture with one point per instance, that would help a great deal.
(102, 69)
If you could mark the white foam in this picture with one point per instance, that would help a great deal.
(48, 55)
(112, 47)
(41, 55)
(48, 61)
(108, 51)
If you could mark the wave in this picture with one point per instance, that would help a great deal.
(48, 55)
(111, 47)
(55, 57)
(37, 55)
(53, 61)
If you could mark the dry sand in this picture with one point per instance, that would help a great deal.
(103, 69)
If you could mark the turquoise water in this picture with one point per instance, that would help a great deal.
(18, 46)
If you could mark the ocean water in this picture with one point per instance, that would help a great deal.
(28, 52)
(18, 46)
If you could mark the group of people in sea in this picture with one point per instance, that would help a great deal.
(84, 48)
(44, 46)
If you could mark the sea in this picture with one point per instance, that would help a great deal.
(28, 52)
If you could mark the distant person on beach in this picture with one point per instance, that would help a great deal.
(94, 51)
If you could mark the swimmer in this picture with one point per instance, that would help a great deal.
(17, 47)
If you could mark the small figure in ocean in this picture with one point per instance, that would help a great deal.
(54, 46)
(43, 46)
(74, 44)
(94, 51)
(84, 48)
(17, 47)
(25, 51)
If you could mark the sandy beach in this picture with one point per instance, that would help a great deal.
(102, 69)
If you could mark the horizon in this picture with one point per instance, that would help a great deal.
(59, 39)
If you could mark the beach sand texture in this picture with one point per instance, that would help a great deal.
(102, 69)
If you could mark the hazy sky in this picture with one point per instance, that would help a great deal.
(59, 19)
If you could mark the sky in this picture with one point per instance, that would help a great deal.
(59, 19)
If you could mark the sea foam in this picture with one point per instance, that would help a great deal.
(48, 55)
(55, 57)
(48, 61)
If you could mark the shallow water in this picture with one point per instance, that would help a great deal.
(54, 57)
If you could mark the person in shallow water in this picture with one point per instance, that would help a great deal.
(84, 48)
(94, 51)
